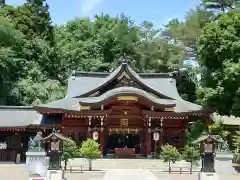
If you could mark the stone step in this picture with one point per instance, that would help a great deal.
(150, 164)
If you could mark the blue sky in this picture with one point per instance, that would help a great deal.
(157, 11)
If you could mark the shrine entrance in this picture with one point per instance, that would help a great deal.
(123, 141)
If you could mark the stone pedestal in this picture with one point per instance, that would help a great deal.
(55, 175)
(36, 164)
(223, 163)
(208, 176)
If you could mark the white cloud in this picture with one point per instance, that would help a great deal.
(87, 6)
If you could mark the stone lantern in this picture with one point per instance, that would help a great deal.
(208, 144)
(54, 143)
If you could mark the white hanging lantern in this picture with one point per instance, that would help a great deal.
(95, 135)
(156, 136)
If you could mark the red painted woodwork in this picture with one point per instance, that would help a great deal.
(149, 142)
(7, 155)
(74, 122)
(137, 117)
(12, 129)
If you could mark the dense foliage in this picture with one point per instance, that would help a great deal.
(219, 56)
(36, 57)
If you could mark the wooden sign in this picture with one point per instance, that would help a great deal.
(85, 107)
(127, 98)
(169, 109)
(124, 122)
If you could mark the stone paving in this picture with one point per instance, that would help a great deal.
(185, 176)
(18, 172)
(129, 174)
(95, 175)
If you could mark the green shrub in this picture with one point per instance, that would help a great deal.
(90, 151)
(170, 154)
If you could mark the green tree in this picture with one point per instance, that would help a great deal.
(33, 82)
(236, 142)
(220, 5)
(219, 129)
(90, 150)
(195, 130)
(187, 32)
(39, 60)
(219, 57)
(69, 151)
(190, 154)
(170, 154)
(9, 58)
(236, 145)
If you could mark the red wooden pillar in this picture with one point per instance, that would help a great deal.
(102, 140)
(102, 132)
(89, 135)
(142, 135)
(149, 141)
(160, 139)
(62, 130)
(182, 137)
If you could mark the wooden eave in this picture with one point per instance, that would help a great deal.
(164, 115)
(148, 105)
(47, 110)
(13, 129)
(32, 126)
(86, 113)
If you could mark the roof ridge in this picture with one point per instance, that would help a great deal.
(81, 73)
(16, 107)
(105, 74)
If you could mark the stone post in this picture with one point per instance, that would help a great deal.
(36, 161)
(223, 163)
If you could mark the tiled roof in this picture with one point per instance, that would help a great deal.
(160, 88)
(83, 83)
(227, 120)
(18, 116)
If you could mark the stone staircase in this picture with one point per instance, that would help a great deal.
(150, 164)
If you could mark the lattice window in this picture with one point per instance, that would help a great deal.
(71, 135)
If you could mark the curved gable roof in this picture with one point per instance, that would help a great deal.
(126, 91)
(87, 83)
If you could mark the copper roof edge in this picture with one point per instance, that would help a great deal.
(16, 107)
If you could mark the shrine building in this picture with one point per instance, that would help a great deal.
(122, 110)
